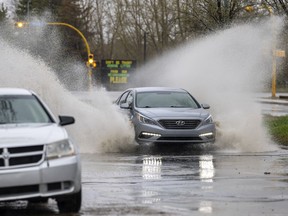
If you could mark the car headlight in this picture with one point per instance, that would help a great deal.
(208, 120)
(60, 149)
(145, 119)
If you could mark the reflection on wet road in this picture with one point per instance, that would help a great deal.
(178, 181)
(186, 182)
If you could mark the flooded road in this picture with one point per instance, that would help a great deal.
(177, 181)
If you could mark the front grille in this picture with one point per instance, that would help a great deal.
(19, 190)
(11, 157)
(25, 160)
(180, 123)
(35, 189)
(26, 149)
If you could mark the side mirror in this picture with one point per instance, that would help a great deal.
(125, 106)
(66, 120)
(205, 106)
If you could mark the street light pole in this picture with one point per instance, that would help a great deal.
(87, 48)
(22, 24)
(77, 30)
(274, 63)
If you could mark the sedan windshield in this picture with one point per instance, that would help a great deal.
(165, 99)
(22, 109)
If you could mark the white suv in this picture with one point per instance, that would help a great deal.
(37, 158)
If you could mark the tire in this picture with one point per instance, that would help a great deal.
(70, 203)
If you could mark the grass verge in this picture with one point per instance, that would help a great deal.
(278, 128)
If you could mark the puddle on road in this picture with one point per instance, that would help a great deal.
(191, 183)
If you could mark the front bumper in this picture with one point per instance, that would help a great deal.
(49, 179)
(146, 133)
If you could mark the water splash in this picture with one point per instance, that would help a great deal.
(99, 127)
(224, 70)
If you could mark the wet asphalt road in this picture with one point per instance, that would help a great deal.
(177, 181)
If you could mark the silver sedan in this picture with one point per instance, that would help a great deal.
(167, 115)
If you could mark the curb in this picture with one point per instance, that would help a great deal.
(281, 100)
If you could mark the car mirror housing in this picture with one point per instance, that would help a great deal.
(125, 106)
(205, 106)
(66, 120)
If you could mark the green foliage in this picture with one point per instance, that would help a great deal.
(69, 11)
(278, 128)
(26, 8)
(3, 13)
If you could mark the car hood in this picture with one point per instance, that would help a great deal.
(31, 134)
(171, 113)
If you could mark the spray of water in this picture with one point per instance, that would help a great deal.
(99, 126)
(223, 69)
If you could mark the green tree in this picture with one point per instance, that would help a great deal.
(116, 28)
(3, 13)
(69, 11)
(31, 8)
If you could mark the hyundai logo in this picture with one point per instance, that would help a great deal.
(180, 123)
